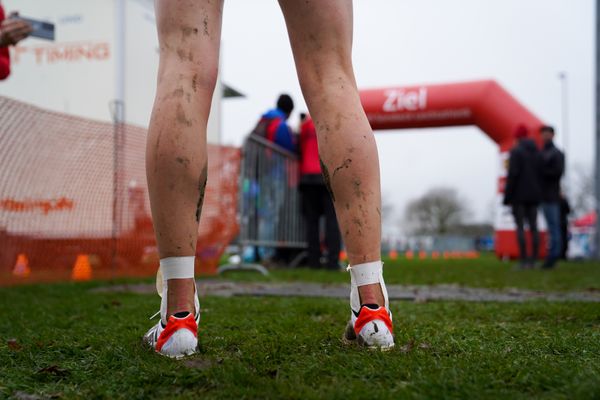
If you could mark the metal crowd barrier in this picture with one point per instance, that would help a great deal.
(269, 202)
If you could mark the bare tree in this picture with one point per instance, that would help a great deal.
(437, 212)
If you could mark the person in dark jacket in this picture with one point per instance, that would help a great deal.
(316, 201)
(551, 170)
(565, 210)
(523, 192)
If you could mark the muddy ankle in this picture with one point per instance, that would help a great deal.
(180, 296)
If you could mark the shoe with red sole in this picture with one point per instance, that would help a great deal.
(370, 325)
(178, 338)
(177, 335)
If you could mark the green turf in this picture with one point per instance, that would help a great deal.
(486, 272)
(71, 343)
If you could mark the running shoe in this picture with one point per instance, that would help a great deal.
(176, 336)
(370, 325)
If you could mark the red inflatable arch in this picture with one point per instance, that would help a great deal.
(484, 104)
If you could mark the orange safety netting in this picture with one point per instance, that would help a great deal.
(74, 202)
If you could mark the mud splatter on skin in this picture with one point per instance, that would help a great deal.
(177, 93)
(186, 31)
(201, 190)
(338, 122)
(356, 188)
(359, 224)
(351, 149)
(362, 211)
(325, 172)
(183, 55)
(195, 82)
(156, 147)
(192, 245)
(183, 161)
(205, 22)
(181, 117)
(345, 164)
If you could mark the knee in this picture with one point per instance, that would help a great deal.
(326, 74)
(181, 69)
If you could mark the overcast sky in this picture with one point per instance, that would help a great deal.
(523, 44)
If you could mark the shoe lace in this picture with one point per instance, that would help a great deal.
(154, 315)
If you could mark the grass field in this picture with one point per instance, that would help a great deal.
(61, 341)
(486, 272)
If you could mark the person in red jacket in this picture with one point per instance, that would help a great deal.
(316, 201)
(12, 31)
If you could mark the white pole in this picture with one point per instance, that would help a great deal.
(118, 121)
(564, 85)
(597, 171)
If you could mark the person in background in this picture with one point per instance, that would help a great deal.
(316, 201)
(523, 193)
(273, 124)
(273, 127)
(551, 170)
(12, 31)
(565, 210)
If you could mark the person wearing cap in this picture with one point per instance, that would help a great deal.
(551, 170)
(523, 193)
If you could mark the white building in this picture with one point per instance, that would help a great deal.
(105, 51)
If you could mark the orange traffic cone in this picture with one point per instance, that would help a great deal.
(435, 255)
(422, 255)
(21, 268)
(393, 255)
(343, 255)
(82, 270)
(409, 254)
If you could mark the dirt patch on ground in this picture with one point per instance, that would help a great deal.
(396, 292)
